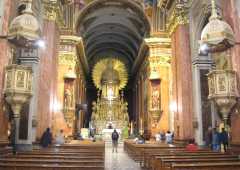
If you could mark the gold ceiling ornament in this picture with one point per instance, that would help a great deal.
(217, 34)
(117, 65)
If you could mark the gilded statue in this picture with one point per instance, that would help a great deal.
(155, 98)
(68, 98)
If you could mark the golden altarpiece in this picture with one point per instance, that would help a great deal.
(110, 110)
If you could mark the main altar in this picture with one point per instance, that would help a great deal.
(110, 110)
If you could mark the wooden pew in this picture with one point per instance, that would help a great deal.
(166, 163)
(55, 157)
(5, 151)
(158, 163)
(136, 151)
(207, 166)
(54, 161)
(149, 154)
(28, 166)
(65, 157)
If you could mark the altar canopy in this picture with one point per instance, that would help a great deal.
(110, 110)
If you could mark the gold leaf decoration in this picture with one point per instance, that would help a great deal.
(118, 65)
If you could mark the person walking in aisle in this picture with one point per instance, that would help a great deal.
(115, 137)
(224, 139)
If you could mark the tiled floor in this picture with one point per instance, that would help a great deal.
(119, 161)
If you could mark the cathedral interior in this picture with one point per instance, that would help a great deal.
(142, 67)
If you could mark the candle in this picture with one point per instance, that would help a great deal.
(131, 131)
(141, 126)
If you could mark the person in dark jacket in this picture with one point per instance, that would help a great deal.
(224, 139)
(208, 138)
(115, 137)
(46, 138)
(216, 140)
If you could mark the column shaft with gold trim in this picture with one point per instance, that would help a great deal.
(178, 27)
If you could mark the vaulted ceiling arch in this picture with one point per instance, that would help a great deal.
(113, 27)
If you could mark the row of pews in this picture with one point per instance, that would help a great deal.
(163, 157)
(65, 157)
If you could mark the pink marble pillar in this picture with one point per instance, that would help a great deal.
(47, 77)
(231, 15)
(182, 83)
(4, 58)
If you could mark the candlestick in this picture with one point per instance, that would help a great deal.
(131, 130)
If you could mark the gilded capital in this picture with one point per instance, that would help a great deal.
(179, 16)
(53, 11)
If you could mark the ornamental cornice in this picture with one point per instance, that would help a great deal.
(156, 61)
(157, 41)
(53, 11)
(178, 16)
(69, 59)
(70, 39)
(159, 47)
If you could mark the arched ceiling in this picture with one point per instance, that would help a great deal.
(112, 28)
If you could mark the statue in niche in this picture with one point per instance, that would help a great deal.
(155, 98)
(68, 97)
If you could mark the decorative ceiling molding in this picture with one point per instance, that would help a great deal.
(107, 25)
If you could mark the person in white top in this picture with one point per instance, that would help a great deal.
(60, 138)
(169, 137)
(158, 137)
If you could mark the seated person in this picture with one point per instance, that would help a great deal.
(79, 136)
(46, 138)
(169, 137)
(158, 137)
(162, 136)
(141, 140)
(60, 138)
(191, 147)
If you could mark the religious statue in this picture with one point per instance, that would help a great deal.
(155, 97)
(68, 98)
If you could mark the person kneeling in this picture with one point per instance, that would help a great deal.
(60, 138)
(191, 147)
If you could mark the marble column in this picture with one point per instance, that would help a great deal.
(182, 82)
(48, 104)
(199, 63)
(231, 14)
(5, 54)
